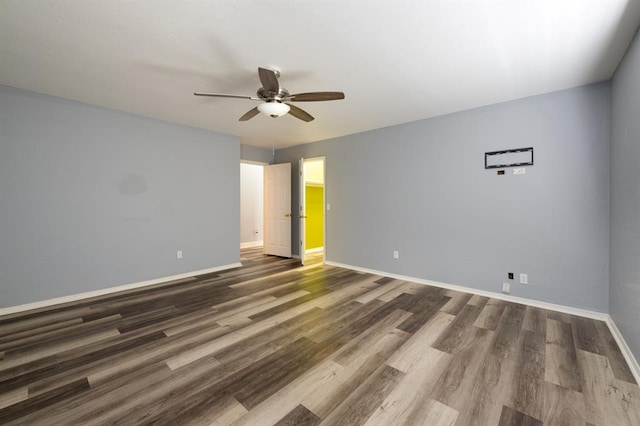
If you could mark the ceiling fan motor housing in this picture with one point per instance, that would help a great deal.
(269, 96)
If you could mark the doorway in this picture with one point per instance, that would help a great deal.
(251, 205)
(265, 208)
(312, 206)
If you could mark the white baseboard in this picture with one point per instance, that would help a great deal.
(250, 244)
(544, 305)
(626, 352)
(632, 362)
(624, 348)
(101, 292)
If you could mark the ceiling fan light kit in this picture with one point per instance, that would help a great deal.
(275, 98)
(274, 108)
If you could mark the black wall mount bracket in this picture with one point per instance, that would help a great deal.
(508, 158)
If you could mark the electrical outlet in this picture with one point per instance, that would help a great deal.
(519, 171)
(506, 288)
(524, 279)
(328, 206)
(179, 254)
(396, 254)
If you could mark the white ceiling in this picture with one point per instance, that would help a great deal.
(396, 60)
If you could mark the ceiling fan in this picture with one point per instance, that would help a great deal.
(275, 99)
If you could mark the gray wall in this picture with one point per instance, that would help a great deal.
(93, 198)
(625, 198)
(255, 154)
(421, 188)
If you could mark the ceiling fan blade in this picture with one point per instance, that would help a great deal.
(269, 80)
(250, 114)
(222, 95)
(300, 113)
(316, 96)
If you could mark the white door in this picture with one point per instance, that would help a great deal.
(301, 210)
(277, 210)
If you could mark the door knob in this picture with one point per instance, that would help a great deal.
(302, 217)
(287, 215)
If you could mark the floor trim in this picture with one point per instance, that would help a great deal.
(626, 352)
(101, 292)
(632, 362)
(250, 244)
(538, 304)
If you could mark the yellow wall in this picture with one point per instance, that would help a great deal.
(314, 232)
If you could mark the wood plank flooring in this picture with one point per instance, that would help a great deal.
(276, 343)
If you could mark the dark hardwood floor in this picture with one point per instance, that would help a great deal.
(276, 343)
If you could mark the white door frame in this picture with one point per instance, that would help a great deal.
(302, 206)
(302, 214)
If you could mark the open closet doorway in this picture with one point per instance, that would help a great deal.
(312, 215)
(251, 205)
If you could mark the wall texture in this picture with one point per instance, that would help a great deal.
(93, 198)
(625, 198)
(421, 188)
(255, 154)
